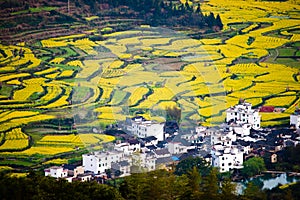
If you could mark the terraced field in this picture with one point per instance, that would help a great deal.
(95, 83)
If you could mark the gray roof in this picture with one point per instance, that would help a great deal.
(164, 160)
(161, 151)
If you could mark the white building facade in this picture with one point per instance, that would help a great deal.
(98, 162)
(227, 158)
(226, 155)
(56, 172)
(176, 148)
(143, 128)
(244, 114)
(295, 120)
(223, 137)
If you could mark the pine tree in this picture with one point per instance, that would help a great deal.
(219, 22)
(228, 190)
(211, 186)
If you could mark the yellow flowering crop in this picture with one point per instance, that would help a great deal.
(281, 101)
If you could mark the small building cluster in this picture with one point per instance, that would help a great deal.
(147, 146)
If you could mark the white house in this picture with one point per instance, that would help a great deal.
(128, 147)
(202, 131)
(73, 170)
(123, 166)
(295, 119)
(223, 137)
(225, 153)
(98, 162)
(144, 161)
(56, 172)
(143, 128)
(176, 148)
(244, 114)
(242, 129)
(226, 158)
(192, 138)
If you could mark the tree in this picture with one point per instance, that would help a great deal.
(194, 180)
(219, 22)
(252, 192)
(198, 10)
(186, 165)
(228, 190)
(253, 166)
(211, 186)
(173, 113)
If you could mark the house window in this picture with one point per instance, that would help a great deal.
(229, 164)
(91, 165)
(99, 165)
(223, 165)
(91, 159)
(222, 158)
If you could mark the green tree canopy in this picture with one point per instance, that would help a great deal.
(186, 165)
(253, 166)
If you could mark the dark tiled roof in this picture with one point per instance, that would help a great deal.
(151, 147)
(164, 160)
(149, 139)
(161, 144)
(133, 141)
(124, 163)
(161, 151)
(69, 167)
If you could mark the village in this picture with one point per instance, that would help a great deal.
(149, 145)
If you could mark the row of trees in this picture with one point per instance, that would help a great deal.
(159, 184)
(159, 12)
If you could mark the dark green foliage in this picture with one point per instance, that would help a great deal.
(158, 184)
(159, 12)
(173, 113)
(39, 187)
(253, 166)
(211, 186)
(250, 40)
(186, 165)
(228, 190)
(252, 192)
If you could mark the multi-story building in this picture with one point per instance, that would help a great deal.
(144, 128)
(98, 162)
(128, 147)
(224, 137)
(227, 158)
(176, 148)
(144, 161)
(295, 119)
(244, 114)
(225, 153)
(56, 172)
